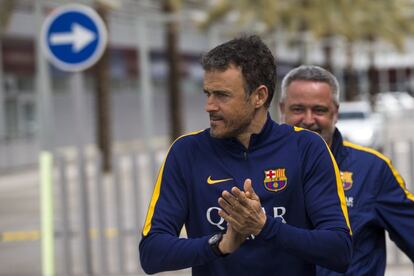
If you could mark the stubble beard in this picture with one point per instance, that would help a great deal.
(326, 135)
(234, 127)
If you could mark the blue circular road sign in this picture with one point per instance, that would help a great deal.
(74, 37)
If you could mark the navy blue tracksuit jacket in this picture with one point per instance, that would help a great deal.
(377, 200)
(298, 182)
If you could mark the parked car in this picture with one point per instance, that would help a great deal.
(395, 104)
(359, 125)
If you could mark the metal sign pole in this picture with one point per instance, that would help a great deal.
(146, 91)
(74, 38)
(2, 97)
(46, 156)
(78, 102)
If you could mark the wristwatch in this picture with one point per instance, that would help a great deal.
(214, 242)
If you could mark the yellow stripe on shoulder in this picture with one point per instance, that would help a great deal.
(396, 174)
(366, 149)
(339, 187)
(297, 129)
(156, 193)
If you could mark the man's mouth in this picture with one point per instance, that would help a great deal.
(215, 118)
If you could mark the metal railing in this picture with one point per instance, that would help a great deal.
(117, 206)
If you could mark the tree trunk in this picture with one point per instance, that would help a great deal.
(327, 51)
(175, 97)
(372, 75)
(302, 39)
(103, 103)
(6, 10)
(351, 87)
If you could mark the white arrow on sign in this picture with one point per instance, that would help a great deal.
(79, 37)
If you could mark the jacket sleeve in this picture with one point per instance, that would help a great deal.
(161, 248)
(328, 244)
(395, 208)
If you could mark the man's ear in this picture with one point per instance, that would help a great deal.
(336, 113)
(261, 95)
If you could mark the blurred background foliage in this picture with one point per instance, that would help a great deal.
(354, 25)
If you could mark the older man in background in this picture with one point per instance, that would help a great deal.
(376, 195)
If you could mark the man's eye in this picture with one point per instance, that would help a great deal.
(296, 109)
(320, 111)
(221, 95)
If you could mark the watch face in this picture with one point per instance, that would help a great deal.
(214, 239)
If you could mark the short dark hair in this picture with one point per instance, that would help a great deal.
(257, 64)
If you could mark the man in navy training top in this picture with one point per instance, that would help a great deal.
(255, 197)
(376, 195)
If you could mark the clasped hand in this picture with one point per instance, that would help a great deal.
(242, 210)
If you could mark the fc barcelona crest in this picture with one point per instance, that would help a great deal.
(346, 178)
(275, 180)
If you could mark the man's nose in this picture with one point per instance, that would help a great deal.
(308, 118)
(211, 105)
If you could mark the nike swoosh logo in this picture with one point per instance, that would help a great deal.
(211, 181)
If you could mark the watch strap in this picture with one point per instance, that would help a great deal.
(214, 242)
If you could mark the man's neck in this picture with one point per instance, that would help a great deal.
(255, 127)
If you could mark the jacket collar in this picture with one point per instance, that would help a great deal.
(337, 147)
(256, 139)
